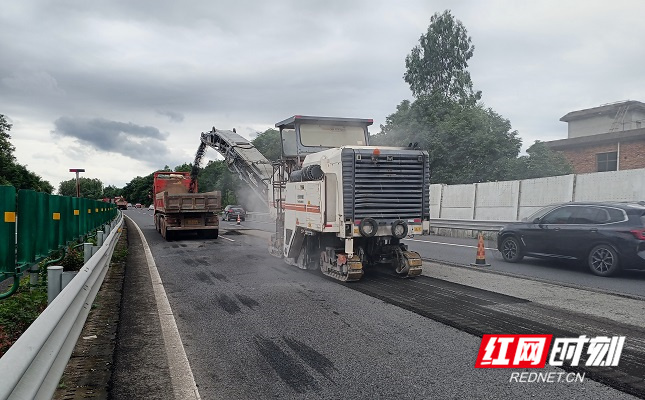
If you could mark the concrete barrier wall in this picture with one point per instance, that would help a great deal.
(537, 193)
(458, 202)
(435, 200)
(497, 201)
(615, 186)
(514, 200)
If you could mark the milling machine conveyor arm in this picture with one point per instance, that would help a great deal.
(242, 157)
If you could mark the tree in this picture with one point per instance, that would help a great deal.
(465, 144)
(541, 161)
(12, 173)
(438, 64)
(7, 158)
(183, 168)
(216, 176)
(139, 189)
(269, 144)
(91, 188)
(111, 191)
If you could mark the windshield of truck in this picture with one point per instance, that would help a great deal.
(331, 135)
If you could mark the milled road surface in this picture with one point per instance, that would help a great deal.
(254, 327)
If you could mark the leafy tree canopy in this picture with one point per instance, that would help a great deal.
(465, 144)
(12, 173)
(90, 188)
(216, 176)
(438, 64)
(139, 190)
(111, 191)
(466, 141)
(269, 144)
(539, 162)
(183, 167)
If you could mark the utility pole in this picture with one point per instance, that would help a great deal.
(78, 183)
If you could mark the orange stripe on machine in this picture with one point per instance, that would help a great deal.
(302, 207)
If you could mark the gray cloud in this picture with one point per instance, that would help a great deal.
(143, 143)
(248, 64)
(172, 115)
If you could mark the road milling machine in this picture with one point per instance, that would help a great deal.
(340, 205)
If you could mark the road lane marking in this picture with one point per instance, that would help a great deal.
(181, 375)
(227, 238)
(448, 244)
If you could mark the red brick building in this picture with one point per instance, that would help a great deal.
(606, 138)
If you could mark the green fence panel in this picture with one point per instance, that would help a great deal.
(7, 229)
(42, 235)
(97, 214)
(55, 239)
(66, 219)
(87, 212)
(82, 209)
(76, 217)
(28, 226)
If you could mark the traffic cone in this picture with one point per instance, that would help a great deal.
(238, 219)
(480, 260)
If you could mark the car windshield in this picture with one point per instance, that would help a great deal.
(540, 213)
(238, 210)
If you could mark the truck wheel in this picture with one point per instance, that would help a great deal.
(214, 233)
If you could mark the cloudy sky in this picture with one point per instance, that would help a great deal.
(122, 88)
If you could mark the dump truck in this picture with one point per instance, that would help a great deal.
(340, 205)
(121, 203)
(176, 209)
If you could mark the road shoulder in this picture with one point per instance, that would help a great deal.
(623, 309)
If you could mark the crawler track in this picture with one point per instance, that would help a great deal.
(480, 312)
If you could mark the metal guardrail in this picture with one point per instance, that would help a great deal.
(468, 224)
(465, 224)
(33, 366)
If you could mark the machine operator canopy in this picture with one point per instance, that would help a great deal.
(302, 135)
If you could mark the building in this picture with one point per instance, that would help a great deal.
(606, 138)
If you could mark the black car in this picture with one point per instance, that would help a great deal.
(231, 213)
(607, 236)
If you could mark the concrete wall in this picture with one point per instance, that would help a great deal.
(457, 202)
(537, 193)
(611, 186)
(514, 200)
(591, 125)
(636, 120)
(497, 200)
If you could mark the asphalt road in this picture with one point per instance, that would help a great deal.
(462, 251)
(254, 327)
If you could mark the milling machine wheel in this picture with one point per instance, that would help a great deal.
(346, 269)
(407, 263)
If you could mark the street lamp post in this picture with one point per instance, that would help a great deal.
(78, 183)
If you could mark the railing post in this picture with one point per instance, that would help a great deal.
(33, 277)
(99, 238)
(87, 252)
(54, 274)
